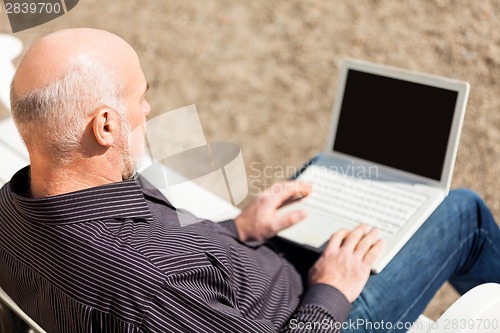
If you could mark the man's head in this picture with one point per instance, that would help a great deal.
(78, 98)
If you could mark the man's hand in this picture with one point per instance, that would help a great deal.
(260, 221)
(347, 260)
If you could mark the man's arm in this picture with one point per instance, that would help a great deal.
(192, 301)
(347, 260)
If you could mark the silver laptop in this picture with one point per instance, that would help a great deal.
(389, 156)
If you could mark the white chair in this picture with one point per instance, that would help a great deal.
(12, 149)
(476, 311)
(5, 299)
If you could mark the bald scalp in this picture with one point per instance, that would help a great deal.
(61, 81)
(53, 55)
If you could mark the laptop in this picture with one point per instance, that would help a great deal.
(389, 156)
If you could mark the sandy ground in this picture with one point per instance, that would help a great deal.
(263, 73)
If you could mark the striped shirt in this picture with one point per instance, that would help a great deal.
(114, 259)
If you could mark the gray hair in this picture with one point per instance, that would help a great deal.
(53, 117)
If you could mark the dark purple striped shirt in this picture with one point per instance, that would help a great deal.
(114, 259)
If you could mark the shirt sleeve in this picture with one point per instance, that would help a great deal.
(323, 309)
(200, 298)
(200, 304)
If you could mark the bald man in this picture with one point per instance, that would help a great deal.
(87, 246)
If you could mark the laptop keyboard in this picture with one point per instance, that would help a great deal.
(365, 201)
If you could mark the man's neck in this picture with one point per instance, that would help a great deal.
(47, 180)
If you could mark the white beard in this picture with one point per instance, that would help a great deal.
(130, 164)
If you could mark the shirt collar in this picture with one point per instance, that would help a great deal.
(121, 200)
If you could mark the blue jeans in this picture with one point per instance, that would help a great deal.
(459, 243)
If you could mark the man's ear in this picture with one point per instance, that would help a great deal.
(105, 126)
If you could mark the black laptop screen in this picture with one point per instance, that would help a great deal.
(396, 123)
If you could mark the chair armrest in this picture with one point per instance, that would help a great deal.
(4, 298)
(476, 311)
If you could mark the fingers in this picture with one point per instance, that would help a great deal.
(348, 240)
(366, 242)
(355, 237)
(362, 242)
(373, 253)
(369, 247)
(336, 241)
